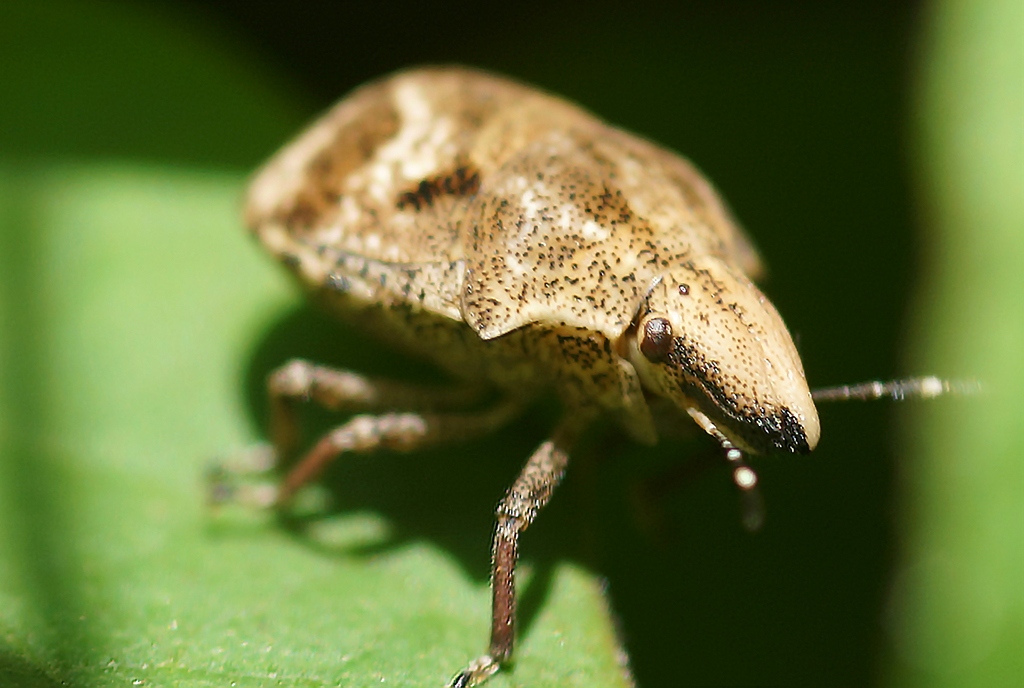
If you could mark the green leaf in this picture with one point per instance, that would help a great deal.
(957, 616)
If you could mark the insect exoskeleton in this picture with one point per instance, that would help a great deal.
(520, 243)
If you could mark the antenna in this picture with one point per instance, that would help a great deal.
(922, 387)
(744, 477)
(752, 503)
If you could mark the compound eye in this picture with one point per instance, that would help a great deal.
(657, 341)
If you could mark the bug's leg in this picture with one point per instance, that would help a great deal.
(339, 390)
(399, 431)
(527, 496)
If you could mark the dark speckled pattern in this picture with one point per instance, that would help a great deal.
(514, 238)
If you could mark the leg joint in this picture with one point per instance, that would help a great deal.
(294, 379)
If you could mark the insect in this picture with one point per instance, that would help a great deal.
(522, 245)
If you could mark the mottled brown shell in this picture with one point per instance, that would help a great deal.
(451, 195)
(558, 217)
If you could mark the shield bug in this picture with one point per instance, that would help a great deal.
(522, 245)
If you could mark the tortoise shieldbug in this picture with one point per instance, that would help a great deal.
(523, 245)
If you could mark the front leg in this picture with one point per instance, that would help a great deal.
(527, 496)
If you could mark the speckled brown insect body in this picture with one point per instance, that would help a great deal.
(523, 245)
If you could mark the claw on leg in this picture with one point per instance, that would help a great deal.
(478, 671)
(246, 477)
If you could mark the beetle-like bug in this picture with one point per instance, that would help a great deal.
(523, 245)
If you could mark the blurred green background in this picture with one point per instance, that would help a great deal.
(875, 153)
